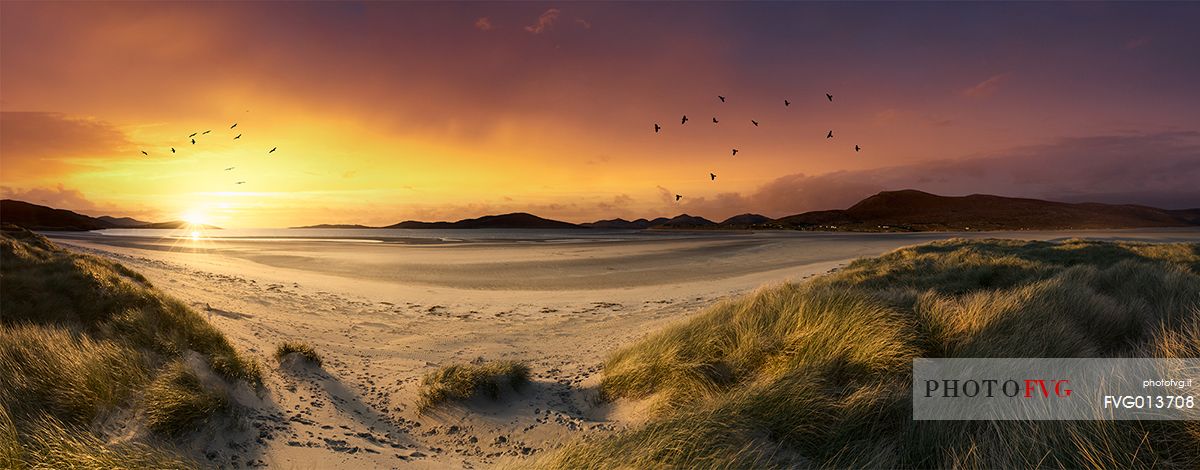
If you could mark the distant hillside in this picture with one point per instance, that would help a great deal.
(35, 217)
(174, 224)
(685, 221)
(123, 222)
(335, 226)
(514, 220)
(620, 224)
(745, 221)
(911, 210)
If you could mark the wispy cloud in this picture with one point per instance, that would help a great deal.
(986, 87)
(483, 24)
(544, 21)
(585, 24)
(57, 197)
(1103, 168)
(1136, 43)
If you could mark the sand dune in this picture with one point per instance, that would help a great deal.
(382, 315)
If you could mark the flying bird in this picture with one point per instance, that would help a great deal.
(678, 197)
(235, 124)
(827, 95)
(193, 135)
(722, 98)
(787, 103)
(714, 120)
(230, 168)
(684, 120)
(829, 135)
(272, 149)
(754, 122)
(857, 148)
(238, 137)
(713, 176)
(205, 132)
(735, 152)
(241, 182)
(144, 153)
(657, 128)
(172, 149)
(193, 141)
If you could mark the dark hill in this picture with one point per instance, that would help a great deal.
(619, 224)
(514, 220)
(919, 211)
(122, 222)
(685, 221)
(745, 221)
(35, 217)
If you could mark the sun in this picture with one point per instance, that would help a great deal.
(194, 218)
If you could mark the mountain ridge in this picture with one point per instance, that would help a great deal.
(901, 210)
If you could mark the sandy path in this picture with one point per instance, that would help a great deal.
(383, 316)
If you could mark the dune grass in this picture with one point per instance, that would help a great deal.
(303, 349)
(82, 337)
(460, 382)
(819, 374)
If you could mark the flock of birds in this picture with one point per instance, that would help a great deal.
(192, 138)
(786, 103)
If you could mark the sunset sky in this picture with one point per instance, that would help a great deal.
(384, 112)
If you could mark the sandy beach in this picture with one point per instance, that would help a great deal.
(384, 314)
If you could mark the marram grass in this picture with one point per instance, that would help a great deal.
(818, 375)
(82, 337)
(461, 382)
(300, 348)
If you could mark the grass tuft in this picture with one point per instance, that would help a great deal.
(303, 349)
(467, 381)
(177, 402)
(819, 374)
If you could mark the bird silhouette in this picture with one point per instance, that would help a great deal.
(829, 135)
(193, 135)
(205, 132)
(193, 141)
(722, 98)
(657, 128)
(857, 148)
(713, 176)
(714, 120)
(754, 122)
(172, 149)
(684, 120)
(144, 152)
(272, 149)
(241, 182)
(827, 95)
(230, 168)
(678, 197)
(787, 103)
(735, 152)
(238, 137)
(233, 126)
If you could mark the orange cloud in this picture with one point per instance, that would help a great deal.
(986, 87)
(35, 144)
(544, 21)
(483, 24)
(57, 197)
